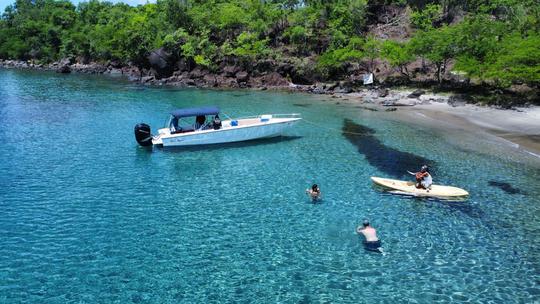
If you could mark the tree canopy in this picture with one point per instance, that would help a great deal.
(491, 40)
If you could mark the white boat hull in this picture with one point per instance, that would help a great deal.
(227, 134)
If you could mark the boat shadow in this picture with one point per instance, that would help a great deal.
(243, 144)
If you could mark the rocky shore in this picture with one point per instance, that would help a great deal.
(519, 123)
(289, 76)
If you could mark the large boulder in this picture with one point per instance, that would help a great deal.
(64, 69)
(416, 93)
(210, 80)
(274, 79)
(457, 100)
(161, 62)
(63, 66)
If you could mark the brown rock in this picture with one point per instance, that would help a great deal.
(274, 79)
(230, 70)
(147, 79)
(210, 80)
(416, 93)
(197, 73)
(242, 76)
(64, 69)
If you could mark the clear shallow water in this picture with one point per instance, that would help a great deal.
(90, 217)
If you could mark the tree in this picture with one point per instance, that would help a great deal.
(398, 55)
(425, 19)
(516, 60)
(436, 45)
(372, 51)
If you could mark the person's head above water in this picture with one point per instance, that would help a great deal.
(365, 223)
(424, 168)
(315, 187)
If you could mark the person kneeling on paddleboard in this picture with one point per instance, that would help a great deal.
(423, 178)
(371, 242)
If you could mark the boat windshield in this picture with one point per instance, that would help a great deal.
(190, 124)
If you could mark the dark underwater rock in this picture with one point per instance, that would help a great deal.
(506, 187)
(391, 161)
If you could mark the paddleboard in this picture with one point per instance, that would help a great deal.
(436, 191)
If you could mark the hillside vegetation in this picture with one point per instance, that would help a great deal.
(495, 42)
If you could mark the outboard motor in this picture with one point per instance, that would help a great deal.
(143, 134)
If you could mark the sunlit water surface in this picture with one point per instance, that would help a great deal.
(87, 216)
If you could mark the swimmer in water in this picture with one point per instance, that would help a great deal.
(371, 242)
(314, 192)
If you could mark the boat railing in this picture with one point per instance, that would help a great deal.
(290, 115)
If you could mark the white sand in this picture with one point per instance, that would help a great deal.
(521, 129)
(518, 128)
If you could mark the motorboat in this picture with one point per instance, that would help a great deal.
(203, 126)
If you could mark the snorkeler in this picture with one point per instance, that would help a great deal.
(371, 242)
(314, 192)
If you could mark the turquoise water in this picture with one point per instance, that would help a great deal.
(90, 217)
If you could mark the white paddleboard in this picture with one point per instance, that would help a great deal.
(436, 191)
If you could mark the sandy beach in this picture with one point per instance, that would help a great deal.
(519, 127)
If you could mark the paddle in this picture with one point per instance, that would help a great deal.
(411, 172)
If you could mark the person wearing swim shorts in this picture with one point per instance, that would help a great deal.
(371, 242)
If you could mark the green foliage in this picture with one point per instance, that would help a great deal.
(297, 34)
(515, 60)
(199, 48)
(425, 18)
(331, 62)
(497, 41)
(436, 45)
(250, 47)
(397, 54)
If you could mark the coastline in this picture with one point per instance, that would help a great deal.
(518, 126)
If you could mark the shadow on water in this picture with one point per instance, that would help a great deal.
(506, 187)
(387, 159)
(461, 205)
(257, 142)
(302, 105)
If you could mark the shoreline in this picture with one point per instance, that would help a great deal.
(518, 126)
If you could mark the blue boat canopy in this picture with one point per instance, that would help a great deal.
(188, 112)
